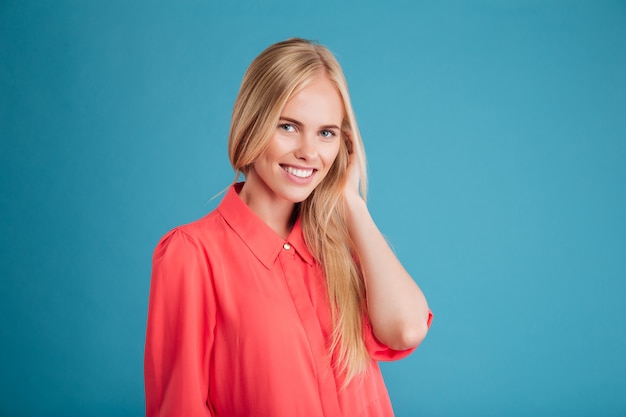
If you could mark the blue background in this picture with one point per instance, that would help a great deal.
(496, 137)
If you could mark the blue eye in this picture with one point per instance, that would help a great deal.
(287, 127)
(327, 133)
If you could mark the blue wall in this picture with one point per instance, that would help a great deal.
(496, 134)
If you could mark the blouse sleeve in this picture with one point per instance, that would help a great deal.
(380, 352)
(179, 335)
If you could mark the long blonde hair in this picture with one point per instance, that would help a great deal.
(272, 78)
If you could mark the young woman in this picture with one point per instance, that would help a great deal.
(282, 300)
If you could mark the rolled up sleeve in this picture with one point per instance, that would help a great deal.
(381, 352)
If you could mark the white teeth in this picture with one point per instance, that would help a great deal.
(300, 173)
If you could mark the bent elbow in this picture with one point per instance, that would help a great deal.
(409, 337)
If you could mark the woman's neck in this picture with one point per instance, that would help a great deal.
(276, 213)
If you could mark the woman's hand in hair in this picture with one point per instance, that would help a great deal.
(353, 179)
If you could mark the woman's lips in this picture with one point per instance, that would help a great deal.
(299, 172)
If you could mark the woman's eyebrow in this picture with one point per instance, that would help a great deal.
(298, 123)
(290, 120)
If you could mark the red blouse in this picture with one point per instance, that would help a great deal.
(239, 325)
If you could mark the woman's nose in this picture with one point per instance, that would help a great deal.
(306, 147)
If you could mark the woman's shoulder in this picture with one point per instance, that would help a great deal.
(199, 233)
(183, 258)
(203, 226)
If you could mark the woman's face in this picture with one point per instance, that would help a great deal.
(303, 147)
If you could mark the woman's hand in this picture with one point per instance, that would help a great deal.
(353, 180)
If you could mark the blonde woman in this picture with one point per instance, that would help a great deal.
(282, 300)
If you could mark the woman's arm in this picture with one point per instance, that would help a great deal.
(179, 332)
(397, 308)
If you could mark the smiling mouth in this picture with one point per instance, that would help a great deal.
(300, 173)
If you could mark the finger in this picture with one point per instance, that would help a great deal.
(348, 139)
